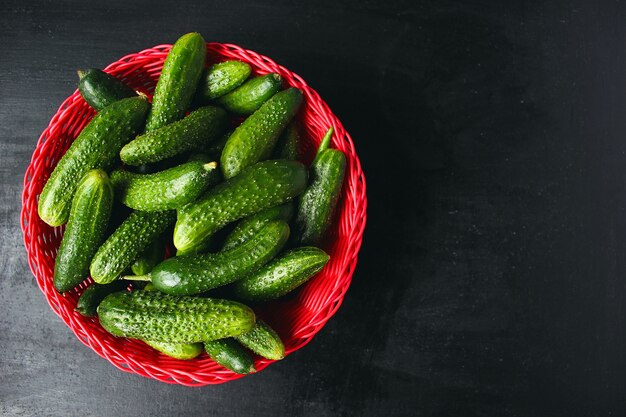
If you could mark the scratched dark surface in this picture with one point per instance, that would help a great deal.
(492, 276)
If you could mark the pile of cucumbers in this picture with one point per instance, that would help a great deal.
(207, 172)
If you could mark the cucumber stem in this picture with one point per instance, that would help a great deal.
(210, 166)
(325, 141)
(81, 73)
(145, 277)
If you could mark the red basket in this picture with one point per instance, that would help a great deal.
(297, 318)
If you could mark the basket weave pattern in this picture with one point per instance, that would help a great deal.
(297, 318)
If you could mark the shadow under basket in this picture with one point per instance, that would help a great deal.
(297, 318)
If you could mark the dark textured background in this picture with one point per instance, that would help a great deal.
(492, 134)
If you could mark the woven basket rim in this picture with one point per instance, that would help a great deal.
(316, 302)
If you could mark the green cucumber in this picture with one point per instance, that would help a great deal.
(209, 244)
(316, 206)
(282, 275)
(252, 94)
(229, 354)
(255, 138)
(178, 81)
(97, 146)
(222, 78)
(100, 89)
(195, 131)
(261, 186)
(184, 351)
(93, 295)
(85, 230)
(263, 341)
(249, 226)
(194, 274)
(205, 246)
(150, 257)
(128, 241)
(288, 143)
(151, 315)
(165, 190)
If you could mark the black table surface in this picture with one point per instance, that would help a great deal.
(491, 281)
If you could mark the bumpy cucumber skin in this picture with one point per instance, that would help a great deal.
(100, 89)
(165, 190)
(128, 241)
(151, 315)
(150, 257)
(261, 186)
(288, 144)
(282, 275)
(194, 274)
(178, 81)
(249, 226)
(263, 341)
(316, 206)
(182, 351)
(208, 245)
(252, 94)
(92, 296)
(85, 231)
(255, 138)
(196, 130)
(97, 146)
(229, 354)
(222, 78)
